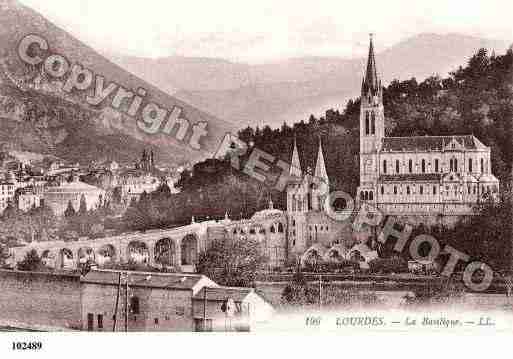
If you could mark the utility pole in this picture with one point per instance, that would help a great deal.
(204, 309)
(320, 292)
(126, 303)
(117, 303)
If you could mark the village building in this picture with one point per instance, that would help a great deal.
(167, 302)
(58, 196)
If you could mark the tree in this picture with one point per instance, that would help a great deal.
(232, 262)
(31, 262)
(70, 211)
(11, 211)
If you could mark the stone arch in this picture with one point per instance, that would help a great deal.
(165, 252)
(311, 258)
(333, 255)
(189, 249)
(66, 259)
(48, 258)
(356, 255)
(85, 254)
(106, 254)
(138, 252)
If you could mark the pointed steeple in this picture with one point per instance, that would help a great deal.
(320, 167)
(295, 166)
(371, 81)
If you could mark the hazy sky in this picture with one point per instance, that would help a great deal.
(266, 30)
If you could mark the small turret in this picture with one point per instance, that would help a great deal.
(295, 166)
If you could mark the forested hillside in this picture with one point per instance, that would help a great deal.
(474, 99)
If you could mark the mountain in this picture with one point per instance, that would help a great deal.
(38, 115)
(292, 89)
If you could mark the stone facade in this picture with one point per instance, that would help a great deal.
(425, 176)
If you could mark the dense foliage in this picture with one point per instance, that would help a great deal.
(232, 262)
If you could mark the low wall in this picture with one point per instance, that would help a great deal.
(40, 300)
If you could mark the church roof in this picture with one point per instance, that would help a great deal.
(430, 143)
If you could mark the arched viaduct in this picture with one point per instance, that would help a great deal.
(176, 247)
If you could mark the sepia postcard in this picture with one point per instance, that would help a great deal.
(330, 167)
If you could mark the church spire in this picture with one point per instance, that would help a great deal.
(320, 167)
(371, 81)
(295, 166)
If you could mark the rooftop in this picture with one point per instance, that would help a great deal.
(144, 279)
(223, 293)
(431, 143)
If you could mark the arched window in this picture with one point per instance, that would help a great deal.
(382, 190)
(455, 165)
(395, 189)
(407, 189)
(367, 122)
(366, 196)
(482, 165)
(436, 165)
(451, 167)
(272, 229)
(434, 189)
(371, 196)
(410, 166)
(470, 165)
(423, 166)
(362, 196)
(280, 228)
(396, 166)
(373, 123)
(384, 166)
(421, 189)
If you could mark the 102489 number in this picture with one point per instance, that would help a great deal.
(27, 345)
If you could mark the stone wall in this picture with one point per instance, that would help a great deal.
(40, 300)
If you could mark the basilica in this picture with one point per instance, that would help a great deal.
(428, 179)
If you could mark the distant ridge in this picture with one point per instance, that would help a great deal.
(290, 90)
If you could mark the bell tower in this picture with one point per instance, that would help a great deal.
(372, 126)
